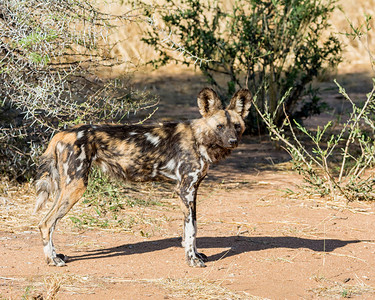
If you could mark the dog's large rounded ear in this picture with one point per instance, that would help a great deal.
(241, 102)
(208, 102)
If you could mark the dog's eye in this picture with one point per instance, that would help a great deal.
(237, 126)
(220, 126)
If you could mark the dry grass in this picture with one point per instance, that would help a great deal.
(197, 288)
(53, 285)
(340, 290)
(348, 288)
(16, 207)
(49, 287)
(190, 288)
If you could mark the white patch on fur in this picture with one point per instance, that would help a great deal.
(178, 174)
(55, 176)
(193, 175)
(80, 134)
(169, 175)
(204, 166)
(211, 103)
(190, 195)
(190, 232)
(40, 200)
(155, 170)
(239, 105)
(80, 167)
(82, 156)
(132, 133)
(170, 165)
(48, 249)
(65, 168)
(155, 140)
(104, 167)
(196, 175)
(203, 152)
(60, 147)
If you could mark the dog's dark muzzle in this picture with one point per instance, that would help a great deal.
(233, 142)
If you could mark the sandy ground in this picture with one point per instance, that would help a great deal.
(263, 235)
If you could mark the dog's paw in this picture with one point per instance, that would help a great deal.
(202, 256)
(58, 260)
(196, 262)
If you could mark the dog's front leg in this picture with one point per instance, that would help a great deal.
(188, 195)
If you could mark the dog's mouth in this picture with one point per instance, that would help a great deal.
(226, 147)
(231, 146)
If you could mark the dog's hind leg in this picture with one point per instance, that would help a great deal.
(67, 197)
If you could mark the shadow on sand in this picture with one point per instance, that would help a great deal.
(233, 245)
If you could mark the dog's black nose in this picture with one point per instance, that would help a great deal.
(233, 142)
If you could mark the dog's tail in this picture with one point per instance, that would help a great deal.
(48, 175)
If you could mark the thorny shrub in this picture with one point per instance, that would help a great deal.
(50, 54)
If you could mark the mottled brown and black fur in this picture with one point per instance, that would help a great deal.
(178, 151)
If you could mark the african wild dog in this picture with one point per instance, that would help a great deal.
(179, 151)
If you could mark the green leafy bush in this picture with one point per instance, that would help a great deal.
(268, 46)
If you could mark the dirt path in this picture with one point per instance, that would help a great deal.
(263, 237)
